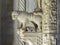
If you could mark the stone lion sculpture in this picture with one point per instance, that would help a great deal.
(27, 23)
(24, 19)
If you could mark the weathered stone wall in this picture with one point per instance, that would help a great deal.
(0, 21)
(58, 6)
(6, 23)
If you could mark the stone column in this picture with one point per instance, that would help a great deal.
(19, 5)
(39, 6)
(39, 3)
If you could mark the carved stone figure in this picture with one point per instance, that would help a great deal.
(28, 22)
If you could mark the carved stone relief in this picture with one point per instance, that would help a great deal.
(29, 22)
(32, 23)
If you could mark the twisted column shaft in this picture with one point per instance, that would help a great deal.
(19, 5)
